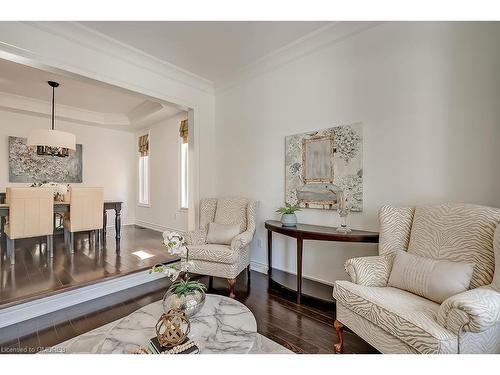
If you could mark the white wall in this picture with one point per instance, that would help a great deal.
(428, 95)
(163, 212)
(108, 157)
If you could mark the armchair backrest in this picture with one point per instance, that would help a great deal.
(452, 231)
(496, 249)
(228, 211)
(31, 212)
(395, 227)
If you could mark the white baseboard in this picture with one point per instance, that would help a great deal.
(32, 309)
(111, 223)
(263, 268)
(259, 267)
(157, 227)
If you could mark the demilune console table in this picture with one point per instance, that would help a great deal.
(311, 232)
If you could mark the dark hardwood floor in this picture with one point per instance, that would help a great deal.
(35, 275)
(301, 328)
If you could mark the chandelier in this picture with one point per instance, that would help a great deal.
(50, 141)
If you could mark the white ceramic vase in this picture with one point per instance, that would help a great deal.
(289, 220)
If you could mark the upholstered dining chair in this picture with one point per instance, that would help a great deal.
(220, 247)
(31, 214)
(433, 288)
(85, 214)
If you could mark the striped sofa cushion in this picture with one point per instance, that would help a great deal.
(433, 279)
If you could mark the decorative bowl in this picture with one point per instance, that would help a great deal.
(190, 303)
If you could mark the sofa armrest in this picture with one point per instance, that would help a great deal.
(196, 237)
(370, 271)
(474, 311)
(242, 240)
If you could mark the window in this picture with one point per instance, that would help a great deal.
(184, 175)
(144, 180)
(184, 151)
(144, 170)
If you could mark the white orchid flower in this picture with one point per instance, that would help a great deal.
(186, 266)
(171, 273)
(173, 240)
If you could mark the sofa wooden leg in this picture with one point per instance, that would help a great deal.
(210, 282)
(232, 284)
(339, 328)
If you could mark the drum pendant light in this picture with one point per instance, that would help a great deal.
(52, 142)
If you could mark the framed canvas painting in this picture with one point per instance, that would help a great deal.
(25, 165)
(320, 164)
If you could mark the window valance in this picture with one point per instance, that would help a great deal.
(183, 131)
(144, 145)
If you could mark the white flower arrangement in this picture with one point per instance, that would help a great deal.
(174, 242)
(176, 245)
(59, 189)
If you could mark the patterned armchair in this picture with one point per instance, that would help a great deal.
(218, 260)
(396, 321)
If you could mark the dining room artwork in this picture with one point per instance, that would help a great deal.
(25, 165)
(319, 164)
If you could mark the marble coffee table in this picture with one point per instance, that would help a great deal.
(223, 325)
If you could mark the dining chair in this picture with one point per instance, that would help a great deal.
(86, 206)
(31, 212)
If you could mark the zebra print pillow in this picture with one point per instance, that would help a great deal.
(432, 279)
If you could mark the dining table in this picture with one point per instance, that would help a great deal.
(62, 208)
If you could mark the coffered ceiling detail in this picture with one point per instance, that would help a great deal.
(24, 90)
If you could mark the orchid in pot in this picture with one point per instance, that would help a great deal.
(184, 294)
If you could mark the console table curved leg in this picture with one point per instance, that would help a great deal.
(300, 243)
(269, 254)
(339, 328)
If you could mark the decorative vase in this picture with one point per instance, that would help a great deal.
(343, 209)
(343, 228)
(289, 220)
(190, 303)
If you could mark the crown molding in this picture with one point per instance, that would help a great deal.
(92, 39)
(77, 33)
(325, 36)
(139, 117)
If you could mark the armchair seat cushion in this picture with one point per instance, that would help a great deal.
(408, 317)
(213, 253)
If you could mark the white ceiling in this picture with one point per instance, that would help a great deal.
(212, 50)
(24, 88)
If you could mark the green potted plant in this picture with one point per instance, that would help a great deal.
(288, 217)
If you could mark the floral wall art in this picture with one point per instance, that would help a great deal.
(26, 166)
(321, 163)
